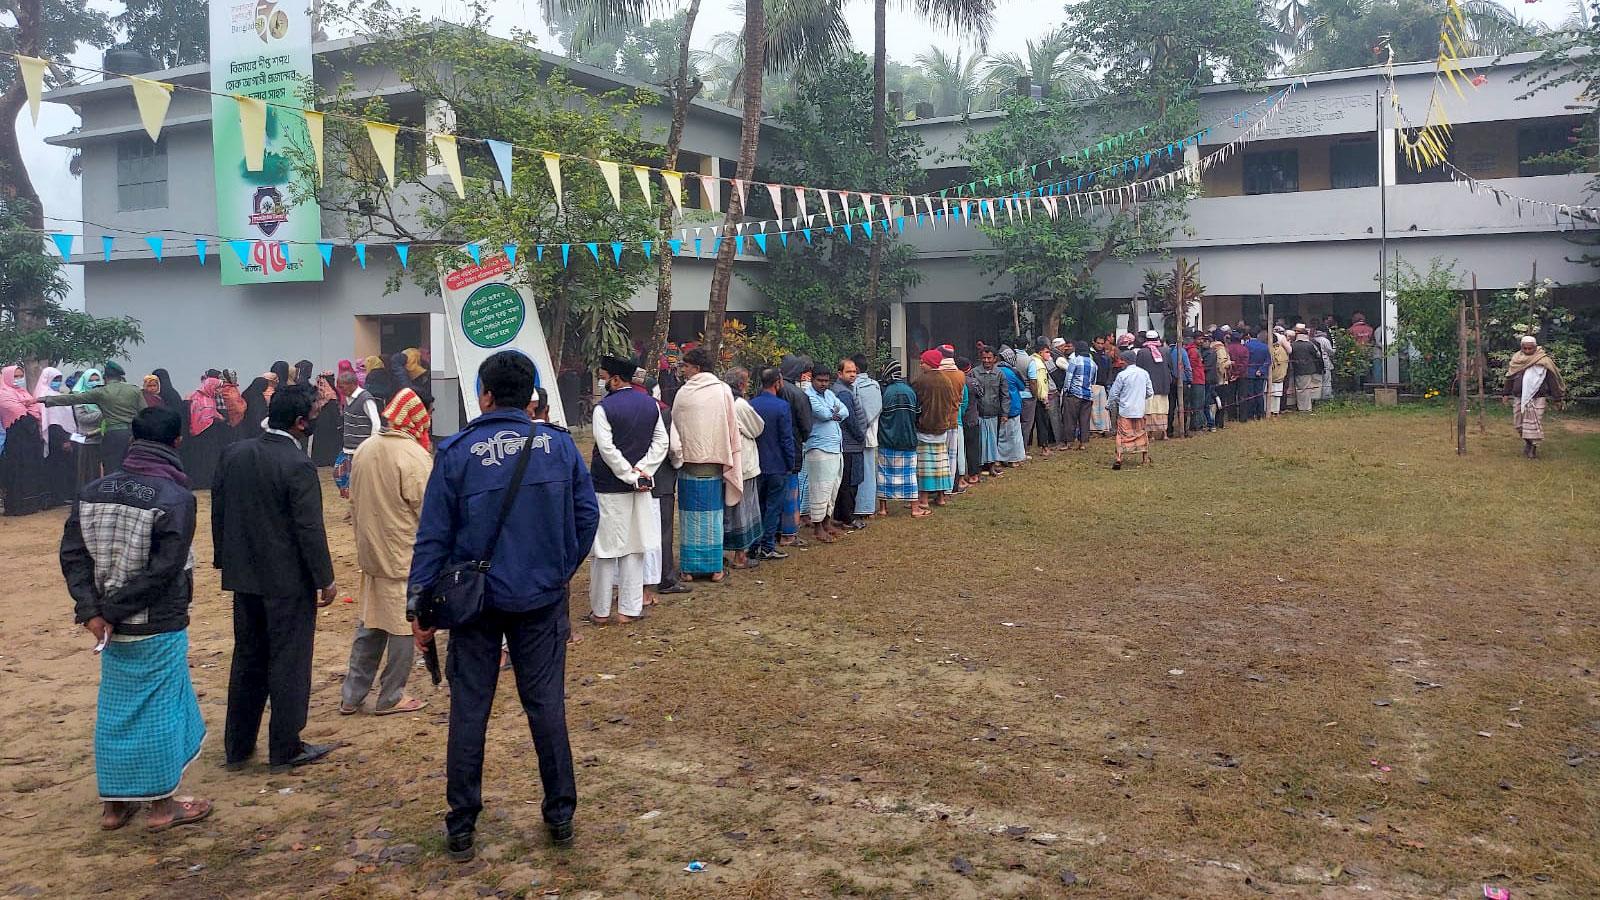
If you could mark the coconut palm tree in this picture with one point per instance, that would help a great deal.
(953, 81)
(1048, 63)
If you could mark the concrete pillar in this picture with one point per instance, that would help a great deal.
(897, 334)
(1388, 173)
(1391, 315)
(438, 116)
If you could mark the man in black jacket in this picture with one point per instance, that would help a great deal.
(796, 371)
(126, 558)
(266, 526)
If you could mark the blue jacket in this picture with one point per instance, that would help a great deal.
(548, 532)
(1015, 387)
(779, 455)
(1260, 358)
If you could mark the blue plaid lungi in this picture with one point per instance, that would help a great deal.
(933, 464)
(741, 524)
(989, 433)
(867, 492)
(897, 474)
(1012, 447)
(699, 523)
(789, 521)
(147, 727)
(341, 473)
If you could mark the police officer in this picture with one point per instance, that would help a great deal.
(547, 534)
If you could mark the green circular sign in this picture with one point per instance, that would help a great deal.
(493, 315)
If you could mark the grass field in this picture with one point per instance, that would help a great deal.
(1322, 657)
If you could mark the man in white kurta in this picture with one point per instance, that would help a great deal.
(630, 442)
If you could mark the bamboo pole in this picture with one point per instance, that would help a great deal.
(1480, 359)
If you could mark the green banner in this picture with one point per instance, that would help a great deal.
(262, 49)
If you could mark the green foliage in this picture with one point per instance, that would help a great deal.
(1161, 50)
(1051, 263)
(67, 25)
(496, 90)
(1570, 60)
(1346, 34)
(817, 287)
(1531, 309)
(33, 324)
(1351, 361)
(1428, 322)
(173, 32)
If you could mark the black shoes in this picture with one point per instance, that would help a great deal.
(561, 834)
(309, 753)
(675, 589)
(766, 555)
(460, 848)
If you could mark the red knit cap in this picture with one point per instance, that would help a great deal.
(407, 415)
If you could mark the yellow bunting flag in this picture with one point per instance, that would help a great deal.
(642, 175)
(613, 179)
(382, 137)
(450, 157)
(253, 131)
(552, 164)
(32, 69)
(153, 98)
(674, 182)
(314, 132)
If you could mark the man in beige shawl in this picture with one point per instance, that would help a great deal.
(712, 477)
(1532, 381)
(388, 475)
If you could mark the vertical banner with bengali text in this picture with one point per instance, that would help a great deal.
(486, 312)
(262, 49)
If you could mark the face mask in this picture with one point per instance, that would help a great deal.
(95, 382)
(18, 382)
(600, 387)
(55, 384)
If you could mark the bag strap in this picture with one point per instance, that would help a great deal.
(510, 498)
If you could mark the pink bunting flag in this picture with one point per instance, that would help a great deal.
(827, 206)
(776, 193)
(800, 201)
(739, 185)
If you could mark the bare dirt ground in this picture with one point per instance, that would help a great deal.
(1317, 658)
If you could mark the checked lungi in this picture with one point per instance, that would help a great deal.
(147, 727)
(789, 521)
(989, 435)
(867, 491)
(933, 463)
(700, 536)
(1132, 436)
(897, 474)
(741, 524)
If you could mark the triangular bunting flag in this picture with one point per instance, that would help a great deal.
(538, 252)
(616, 252)
(476, 252)
(594, 249)
(106, 241)
(676, 246)
(641, 174)
(761, 241)
(712, 188)
(738, 244)
(501, 151)
(866, 228)
(33, 70)
(827, 206)
(404, 252)
(153, 98)
(674, 183)
(241, 249)
(697, 250)
(283, 248)
(63, 244)
(807, 233)
(199, 249)
(361, 254)
(566, 251)
(252, 131)
(645, 246)
(776, 193)
(800, 201)
(326, 249)
(613, 176)
(552, 167)
(381, 135)
(314, 134)
(740, 185)
(450, 158)
(511, 253)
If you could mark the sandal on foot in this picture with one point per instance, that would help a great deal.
(189, 812)
(123, 818)
(406, 704)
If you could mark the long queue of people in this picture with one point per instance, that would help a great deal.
(70, 429)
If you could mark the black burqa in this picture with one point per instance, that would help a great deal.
(255, 409)
(327, 435)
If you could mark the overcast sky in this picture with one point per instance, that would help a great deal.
(1016, 21)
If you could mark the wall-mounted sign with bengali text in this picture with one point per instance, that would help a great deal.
(486, 312)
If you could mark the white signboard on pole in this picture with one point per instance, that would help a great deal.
(485, 312)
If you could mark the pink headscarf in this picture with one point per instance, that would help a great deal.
(15, 402)
(203, 406)
(361, 371)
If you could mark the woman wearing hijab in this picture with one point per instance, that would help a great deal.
(207, 433)
(255, 408)
(59, 424)
(22, 458)
(303, 371)
(88, 418)
(399, 376)
(170, 398)
(280, 370)
(379, 382)
(152, 393)
(327, 432)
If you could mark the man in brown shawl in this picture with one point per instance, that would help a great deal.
(1532, 381)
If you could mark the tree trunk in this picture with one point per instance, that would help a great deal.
(682, 93)
(755, 54)
(15, 183)
(880, 149)
(1052, 323)
(559, 309)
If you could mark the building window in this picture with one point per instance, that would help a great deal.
(1353, 164)
(1272, 172)
(1535, 141)
(141, 174)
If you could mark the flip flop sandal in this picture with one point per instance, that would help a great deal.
(123, 818)
(189, 812)
(595, 621)
(411, 704)
(348, 710)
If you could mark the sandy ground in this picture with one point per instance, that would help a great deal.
(1319, 658)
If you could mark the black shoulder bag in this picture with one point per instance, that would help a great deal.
(456, 598)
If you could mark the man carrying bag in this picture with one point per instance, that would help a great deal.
(508, 517)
